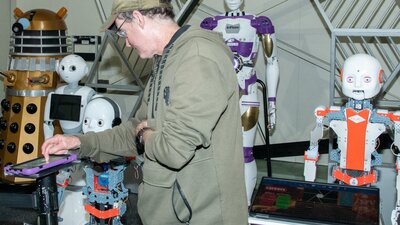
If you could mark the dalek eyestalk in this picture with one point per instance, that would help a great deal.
(10, 77)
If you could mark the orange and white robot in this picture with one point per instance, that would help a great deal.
(357, 125)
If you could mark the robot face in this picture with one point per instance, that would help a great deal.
(233, 4)
(99, 115)
(361, 77)
(72, 68)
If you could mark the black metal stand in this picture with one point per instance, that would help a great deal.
(43, 199)
(46, 200)
(267, 153)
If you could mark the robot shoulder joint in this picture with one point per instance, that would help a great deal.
(263, 25)
(208, 23)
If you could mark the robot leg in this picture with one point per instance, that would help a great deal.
(250, 169)
(250, 163)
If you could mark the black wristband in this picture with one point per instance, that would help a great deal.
(140, 141)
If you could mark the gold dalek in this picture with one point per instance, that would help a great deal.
(38, 42)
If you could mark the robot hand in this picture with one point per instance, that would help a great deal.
(310, 170)
(271, 115)
(396, 211)
(310, 160)
(48, 129)
(396, 216)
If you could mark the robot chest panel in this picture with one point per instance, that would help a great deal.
(356, 132)
(239, 35)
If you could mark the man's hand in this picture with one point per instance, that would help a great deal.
(140, 126)
(142, 132)
(59, 144)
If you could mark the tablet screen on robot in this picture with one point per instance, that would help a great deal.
(65, 107)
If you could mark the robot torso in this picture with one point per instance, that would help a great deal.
(356, 137)
(86, 93)
(241, 34)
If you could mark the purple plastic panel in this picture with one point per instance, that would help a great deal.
(37, 165)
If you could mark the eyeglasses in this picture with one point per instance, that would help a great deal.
(121, 33)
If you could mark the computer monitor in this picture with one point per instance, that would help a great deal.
(314, 203)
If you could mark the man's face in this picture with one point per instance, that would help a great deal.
(137, 37)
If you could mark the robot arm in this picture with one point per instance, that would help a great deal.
(48, 127)
(268, 40)
(311, 155)
(396, 211)
(396, 119)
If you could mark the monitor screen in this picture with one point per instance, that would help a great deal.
(65, 107)
(316, 202)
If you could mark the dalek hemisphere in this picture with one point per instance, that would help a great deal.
(38, 42)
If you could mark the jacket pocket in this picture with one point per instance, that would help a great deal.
(156, 175)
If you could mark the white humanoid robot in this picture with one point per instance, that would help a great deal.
(357, 126)
(242, 33)
(101, 113)
(67, 104)
(96, 120)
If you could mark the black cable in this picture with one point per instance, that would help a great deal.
(185, 201)
(266, 136)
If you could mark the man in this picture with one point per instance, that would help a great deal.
(188, 122)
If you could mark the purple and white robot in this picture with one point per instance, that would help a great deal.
(243, 32)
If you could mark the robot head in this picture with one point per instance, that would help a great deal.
(72, 68)
(40, 32)
(101, 113)
(233, 4)
(361, 77)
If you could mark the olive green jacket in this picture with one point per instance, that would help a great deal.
(193, 165)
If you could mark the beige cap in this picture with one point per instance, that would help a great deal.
(120, 6)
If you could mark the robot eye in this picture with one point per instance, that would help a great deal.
(367, 79)
(350, 79)
(86, 121)
(72, 68)
(62, 68)
(100, 123)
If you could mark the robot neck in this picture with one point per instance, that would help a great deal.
(236, 12)
(72, 87)
(359, 104)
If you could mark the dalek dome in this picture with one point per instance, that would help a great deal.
(40, 19)
(39, 32)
